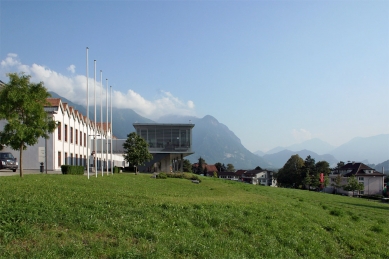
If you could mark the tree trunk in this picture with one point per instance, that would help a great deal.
(21, 160)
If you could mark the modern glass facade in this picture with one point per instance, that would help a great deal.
(166, 137)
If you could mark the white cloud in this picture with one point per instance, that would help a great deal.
(72, 69)
(301, 135)
(74, 89)
(190, 104)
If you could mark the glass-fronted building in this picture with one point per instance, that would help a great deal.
(168, 143)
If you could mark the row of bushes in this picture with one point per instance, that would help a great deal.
(178, 175)
(72, 169)
(372, 197)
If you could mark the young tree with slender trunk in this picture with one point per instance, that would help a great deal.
(136, 150)
(353, 185)
(338, 182)
(22, 105)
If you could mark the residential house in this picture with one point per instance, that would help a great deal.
(372, 180)
(229, 176)
(259, 177)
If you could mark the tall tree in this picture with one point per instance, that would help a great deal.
(308, 181)
(220, 167)
(338, 182)
(22, 105)
(200, 166)
(187, 166)
(136, 150)
(230, 168)
(326, 181)
(290, 174)
(323, 167)
(309, 168)
(338, 166)
(258, 168)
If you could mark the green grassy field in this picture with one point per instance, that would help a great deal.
(136, 216)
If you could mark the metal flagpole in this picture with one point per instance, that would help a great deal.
(101, 119)
(111, 130)
(94, 133)
(106, 139)
(87, 114)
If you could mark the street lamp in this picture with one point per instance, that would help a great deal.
(94, 152)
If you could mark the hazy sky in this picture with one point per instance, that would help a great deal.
(275, 72)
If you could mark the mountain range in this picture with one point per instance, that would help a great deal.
(369, 150)
(215, 142)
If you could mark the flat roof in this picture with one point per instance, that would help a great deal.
(191, 125)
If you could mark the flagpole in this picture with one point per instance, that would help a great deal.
(101, 119)
(111, 131)
(87, 114)
(106, 139)
(94, 133)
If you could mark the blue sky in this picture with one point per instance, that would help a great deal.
(275, 72)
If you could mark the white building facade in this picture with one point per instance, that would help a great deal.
(71, 143)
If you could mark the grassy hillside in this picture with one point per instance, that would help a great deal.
(135, 216)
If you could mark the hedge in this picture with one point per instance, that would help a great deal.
(188, 176)
(72, 169)
(116, 169)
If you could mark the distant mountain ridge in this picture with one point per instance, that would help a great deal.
(373, 149)
(316, 145)
(383, 166)
(277, 160)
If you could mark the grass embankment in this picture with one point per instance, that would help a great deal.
(135, 216)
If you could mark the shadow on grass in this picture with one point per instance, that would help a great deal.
(366, 205)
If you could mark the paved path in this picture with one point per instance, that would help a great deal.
(6, 172)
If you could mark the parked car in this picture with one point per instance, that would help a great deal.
(8, 161)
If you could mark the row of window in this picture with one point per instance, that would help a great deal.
(76, 135)
(166, 137)
(77, 160)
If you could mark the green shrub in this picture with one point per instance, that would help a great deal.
(116, 169)
(161, 176)
(195, 177)
(72, 169)
(187, 176)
